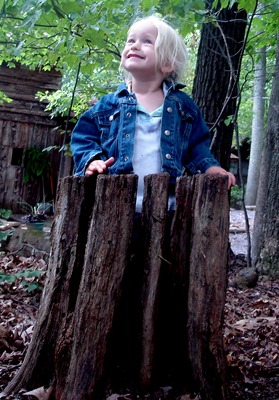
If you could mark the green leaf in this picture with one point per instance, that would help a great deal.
(30, 274)
(228, 120)
(5, 213)
(7, 278)
(34, 286)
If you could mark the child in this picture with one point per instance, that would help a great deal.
(148, 125)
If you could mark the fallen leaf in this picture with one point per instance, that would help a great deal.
(40, 393)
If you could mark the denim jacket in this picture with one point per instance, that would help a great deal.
(108, 130)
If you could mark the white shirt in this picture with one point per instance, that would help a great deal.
(147, 155)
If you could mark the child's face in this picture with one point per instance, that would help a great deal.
(138, 56)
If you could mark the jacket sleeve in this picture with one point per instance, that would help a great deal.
(85, 142)
(199, 157)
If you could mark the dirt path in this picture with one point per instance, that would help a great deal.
(238, 236)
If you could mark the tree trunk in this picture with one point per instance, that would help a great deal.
(265, 243)
(133, 301)
(216, 77)
(257, 130)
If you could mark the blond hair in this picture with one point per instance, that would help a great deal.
(170, 49)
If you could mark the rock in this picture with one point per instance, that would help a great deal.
(28, 242)
(6, 225)
(246, 278)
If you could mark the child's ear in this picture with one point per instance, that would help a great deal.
(167, 69)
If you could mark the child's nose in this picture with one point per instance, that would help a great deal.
(135, 44)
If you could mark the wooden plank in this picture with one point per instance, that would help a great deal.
(2, 125)
(27, 117)
(26, 87)
(10, 185)
(11, 75)
(20, 103)
(4, 155)
(29, 86)
(15, 134)
(22, 96)
(21, 85)
(23, 135)
(23, 111)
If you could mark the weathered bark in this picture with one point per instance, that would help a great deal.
(100, 289)
(174, 361)
(207, 287)
(68, 239)
(158, 285)
(265, 243)
(217, 73)
(154, 221)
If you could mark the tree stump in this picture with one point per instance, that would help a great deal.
(127, 293)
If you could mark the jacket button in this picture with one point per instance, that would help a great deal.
(129, 114)
(126, 158)
(111, 118)
(169, 110)
(168, 156)
(127, 136)
(167, 132)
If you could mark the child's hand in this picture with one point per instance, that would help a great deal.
(221, 171)
(98, 166)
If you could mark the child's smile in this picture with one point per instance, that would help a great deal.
(138, 56)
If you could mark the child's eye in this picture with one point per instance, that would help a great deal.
(148, 41)
(130, 40)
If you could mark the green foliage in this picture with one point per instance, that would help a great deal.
(236, 195)
(61, 34)
(36, 164)
(48, 33)
(4, 236)
(37, 34)
(4, 98)
(89, 88)
(26, 278)
(5, 213)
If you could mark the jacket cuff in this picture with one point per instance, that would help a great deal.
(202, 166)
(90, 159)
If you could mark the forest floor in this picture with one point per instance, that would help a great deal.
(251, 328)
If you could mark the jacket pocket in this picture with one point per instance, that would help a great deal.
(186, 120)
(105, 122)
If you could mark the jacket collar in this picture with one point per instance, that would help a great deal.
(174, 85)
(122, 89)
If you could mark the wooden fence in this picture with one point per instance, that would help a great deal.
(25, 124)
(133, 303)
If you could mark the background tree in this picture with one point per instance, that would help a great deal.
(257, 129)
(265, 244)
(215, 86)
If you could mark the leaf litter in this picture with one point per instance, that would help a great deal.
(251, 331)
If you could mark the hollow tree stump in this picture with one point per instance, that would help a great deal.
(181, 264)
